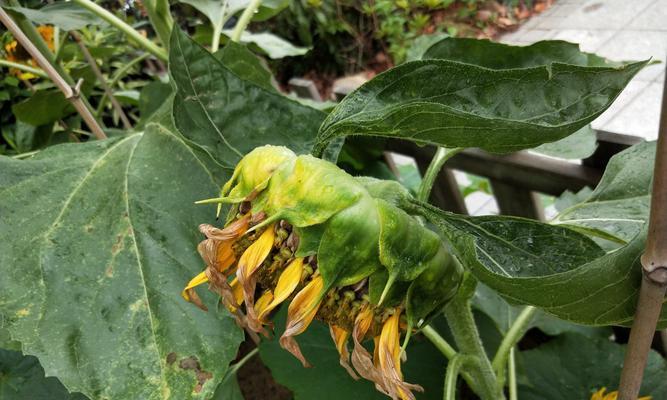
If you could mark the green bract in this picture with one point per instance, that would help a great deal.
(354, 225)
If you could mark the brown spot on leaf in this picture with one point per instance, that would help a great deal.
(171, 358)
(193, 364)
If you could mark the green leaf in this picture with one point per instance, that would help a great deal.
(421, 44)
(273, 46)
(266, 10)
(227, 115)
(66, 15)
(22, 378)
(228, 390)
(327, 380)
(577, 146)
(219, 11)
(504, 314)
(43, 107)
(98, 241)
(619, 205)
(574, 367)
(493, 55)
(551, 267)
(6, 342)
(152, 97)
(243, 62)
(452, 104)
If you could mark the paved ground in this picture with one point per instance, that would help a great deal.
(618, 30)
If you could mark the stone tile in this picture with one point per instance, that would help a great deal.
(631, 91)
(637, 45)
(564, 10)
(535, 35)
(552, 23)
(588, 40)
(603, 14)
(641, 116)
(652, 18)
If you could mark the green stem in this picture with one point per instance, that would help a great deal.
(453, 369)
(512, 337)
(244, 20)
(439, 159)
(160, 17)
(462, 323)
(511, 365)
(124, 27)
(120, 73)
(23, 67)
(236, 367)
(439, 342)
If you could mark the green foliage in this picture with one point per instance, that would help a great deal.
(455, 105)
(22, 378)
(574, 367)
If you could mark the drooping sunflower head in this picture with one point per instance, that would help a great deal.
(338, 249)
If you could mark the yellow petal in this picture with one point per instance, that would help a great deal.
(249, 263)
(340, 337)
(361, 359)
(389, 355)
(612, 395)
(263, 301)
(196, 281)
(300, 314)
(288, 281)
(237, 290)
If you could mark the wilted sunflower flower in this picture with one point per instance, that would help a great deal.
(16, 53)
(600, 395)
(338, 248)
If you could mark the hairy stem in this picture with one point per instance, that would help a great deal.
(441, 156)
(236, 367)
(244, 20)
(462, 323)
(453, 369)
(439, 342)
(160, 17)
(512, 337)
(124, 27)
(511, 365)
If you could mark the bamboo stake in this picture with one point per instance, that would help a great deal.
(654, 270)
(71, 93)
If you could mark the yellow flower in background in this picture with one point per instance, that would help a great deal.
(16, 53)
(302, 231)
(600, 395)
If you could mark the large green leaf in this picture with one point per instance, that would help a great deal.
(454, 104)
(228, 116)
(494, 55)
(551, 267)
(574, 367)
(219, 11)
(619, 205)
(579, 145)
(327, 380)
(96, 244)
(66, 15)
(22, 378)
(43, 107)
(243, 62)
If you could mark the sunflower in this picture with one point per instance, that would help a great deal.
(600, 395)
(338, 249)
(16, 53)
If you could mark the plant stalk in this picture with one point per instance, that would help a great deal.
(107, 90)
(439, 342)
(71, 94)
(654, 271)
(244, 20)
(512, 337)
(160, 17)
(511, 365)
(441, 156)
(23, 67)
(120, 73)
(453, 369)
(462, 323)
(124, 27)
